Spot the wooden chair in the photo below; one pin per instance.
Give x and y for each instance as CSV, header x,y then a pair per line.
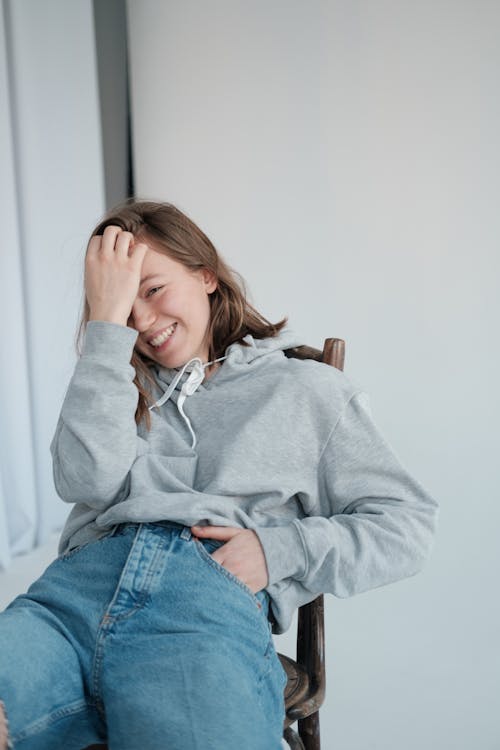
x,y
305,689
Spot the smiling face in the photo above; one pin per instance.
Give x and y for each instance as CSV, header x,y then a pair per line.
x,y
172,311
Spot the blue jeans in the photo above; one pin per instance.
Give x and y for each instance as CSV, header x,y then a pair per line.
x,y
141,639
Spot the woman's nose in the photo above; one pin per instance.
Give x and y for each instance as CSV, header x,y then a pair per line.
x,y
143,316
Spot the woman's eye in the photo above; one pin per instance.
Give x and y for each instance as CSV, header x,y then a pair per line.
x,y
154,289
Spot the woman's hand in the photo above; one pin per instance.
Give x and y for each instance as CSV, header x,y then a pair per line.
x,y
112,274
242,554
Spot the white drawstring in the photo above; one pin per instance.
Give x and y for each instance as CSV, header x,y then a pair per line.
x,y
196,376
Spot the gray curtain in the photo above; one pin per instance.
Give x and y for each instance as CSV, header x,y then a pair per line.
x,y
53,189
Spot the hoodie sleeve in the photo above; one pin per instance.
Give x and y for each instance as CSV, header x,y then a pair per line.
x,y
96,441
375,524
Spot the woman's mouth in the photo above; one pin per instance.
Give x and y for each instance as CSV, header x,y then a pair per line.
x,y
162,340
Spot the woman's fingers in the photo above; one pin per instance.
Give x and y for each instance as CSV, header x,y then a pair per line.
x,y
94,245
123,243
104,244
114,241
112,274
137,254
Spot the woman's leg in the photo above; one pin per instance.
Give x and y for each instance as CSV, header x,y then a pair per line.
x,y
41,682
47,650
186,653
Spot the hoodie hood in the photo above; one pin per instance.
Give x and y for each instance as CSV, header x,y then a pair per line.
x,y
236,360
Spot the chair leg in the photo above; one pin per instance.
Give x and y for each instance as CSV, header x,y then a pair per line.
x,y
309,732
292,739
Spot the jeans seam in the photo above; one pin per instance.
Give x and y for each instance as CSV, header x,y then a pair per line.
x,y
106,623
44,722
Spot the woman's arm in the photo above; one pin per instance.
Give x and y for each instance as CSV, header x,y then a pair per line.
x,y
96,441
371,523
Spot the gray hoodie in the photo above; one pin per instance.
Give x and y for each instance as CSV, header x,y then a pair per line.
x,y
283,446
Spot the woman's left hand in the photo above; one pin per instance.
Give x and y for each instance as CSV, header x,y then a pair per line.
x,y
242,554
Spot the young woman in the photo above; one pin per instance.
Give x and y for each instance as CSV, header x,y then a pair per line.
x,y
216,485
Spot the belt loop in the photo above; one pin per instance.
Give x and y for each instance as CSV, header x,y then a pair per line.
x,y
186,533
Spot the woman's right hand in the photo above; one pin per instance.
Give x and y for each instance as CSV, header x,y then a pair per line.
x,y
112,274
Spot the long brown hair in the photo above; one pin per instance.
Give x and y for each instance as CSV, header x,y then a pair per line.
x,y
231,315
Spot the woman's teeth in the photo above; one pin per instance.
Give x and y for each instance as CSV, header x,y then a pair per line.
x,y
159,340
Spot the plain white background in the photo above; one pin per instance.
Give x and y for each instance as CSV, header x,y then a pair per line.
x,y
344,157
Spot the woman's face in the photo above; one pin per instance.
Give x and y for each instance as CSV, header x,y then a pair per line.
x,y
172,310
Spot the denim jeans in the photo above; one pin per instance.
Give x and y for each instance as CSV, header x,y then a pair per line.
x,y
141,639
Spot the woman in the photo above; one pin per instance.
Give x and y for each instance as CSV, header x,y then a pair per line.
x,y
217,485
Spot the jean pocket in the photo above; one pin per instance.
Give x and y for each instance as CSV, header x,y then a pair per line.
x,y
71,552
205,547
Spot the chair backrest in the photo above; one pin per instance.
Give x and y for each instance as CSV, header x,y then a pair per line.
x,y
303,705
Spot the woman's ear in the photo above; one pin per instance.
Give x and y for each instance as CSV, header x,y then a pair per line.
x,y
210,280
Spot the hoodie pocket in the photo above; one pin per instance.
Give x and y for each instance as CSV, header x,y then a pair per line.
x,y
205,547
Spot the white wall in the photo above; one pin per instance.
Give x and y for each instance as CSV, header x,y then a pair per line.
x,y
344,157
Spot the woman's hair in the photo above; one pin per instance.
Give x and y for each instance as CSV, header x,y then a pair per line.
x,y
172,232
